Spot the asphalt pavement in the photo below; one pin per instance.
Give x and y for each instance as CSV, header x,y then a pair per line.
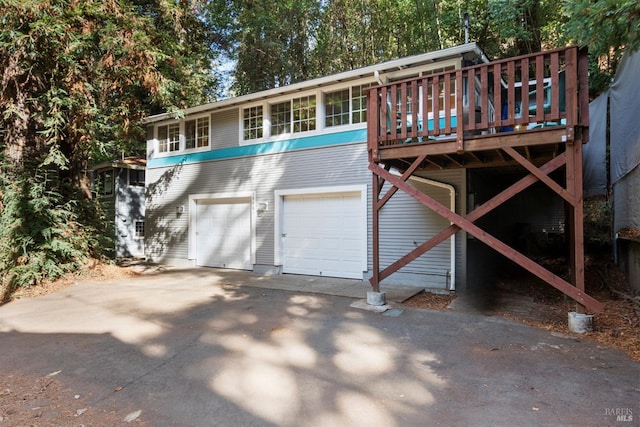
x,y
207,347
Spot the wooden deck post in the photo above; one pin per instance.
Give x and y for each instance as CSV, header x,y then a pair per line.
x,y
575,217
549,136
375,219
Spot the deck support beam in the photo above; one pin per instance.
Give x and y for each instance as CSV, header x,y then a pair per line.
x,y
466,224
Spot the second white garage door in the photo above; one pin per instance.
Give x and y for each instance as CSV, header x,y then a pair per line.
x,y
322,234
223,234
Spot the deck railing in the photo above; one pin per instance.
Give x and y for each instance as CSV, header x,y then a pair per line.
x,y
516,94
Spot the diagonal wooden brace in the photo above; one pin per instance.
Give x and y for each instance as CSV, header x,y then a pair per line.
x,y
499,246
477,213
544,177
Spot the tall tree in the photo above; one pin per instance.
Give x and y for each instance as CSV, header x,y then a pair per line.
x,y
76,76
273,43
608,28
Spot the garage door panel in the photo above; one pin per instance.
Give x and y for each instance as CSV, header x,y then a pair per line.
x,y
223,234
323,234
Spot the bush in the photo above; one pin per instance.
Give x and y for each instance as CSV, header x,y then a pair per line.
x,y
44,231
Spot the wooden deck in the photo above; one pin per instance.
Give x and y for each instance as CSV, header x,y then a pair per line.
x,y
531,111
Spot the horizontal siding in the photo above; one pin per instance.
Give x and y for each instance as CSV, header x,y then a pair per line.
x,y
457,178
224,129
405,224
170,187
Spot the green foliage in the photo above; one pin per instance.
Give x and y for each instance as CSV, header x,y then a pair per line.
x,y
598,218
608,28
44,234
77,77
278,43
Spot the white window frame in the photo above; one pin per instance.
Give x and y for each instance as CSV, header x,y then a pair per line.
x,y
265,116
183,133
135,229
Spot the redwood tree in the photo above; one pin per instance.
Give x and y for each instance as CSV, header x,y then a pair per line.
x,y
75,77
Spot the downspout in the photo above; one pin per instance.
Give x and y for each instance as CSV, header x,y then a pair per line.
x,y
452,203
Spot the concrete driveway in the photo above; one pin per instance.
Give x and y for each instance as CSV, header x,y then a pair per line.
x,y
205,347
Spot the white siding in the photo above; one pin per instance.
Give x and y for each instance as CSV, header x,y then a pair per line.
x,y
224,129
170,187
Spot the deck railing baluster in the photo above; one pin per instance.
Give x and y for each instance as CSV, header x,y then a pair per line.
x,y
515,94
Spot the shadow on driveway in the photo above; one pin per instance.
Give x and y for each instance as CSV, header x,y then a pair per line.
x,y
194,347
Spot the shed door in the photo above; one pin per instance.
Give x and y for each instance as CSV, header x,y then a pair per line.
x,y
322,235
223,234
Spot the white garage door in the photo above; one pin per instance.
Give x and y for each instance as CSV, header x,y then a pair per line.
x,y
223,234
322,235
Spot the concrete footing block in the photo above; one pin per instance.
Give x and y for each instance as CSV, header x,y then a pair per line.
x,y
376,298
580,322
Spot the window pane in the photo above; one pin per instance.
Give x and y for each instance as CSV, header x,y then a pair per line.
x,y
162,139
174,137
281,118
304,113
190,134
107,183
359,103
136,177
203,132
252,122
139,225
337,108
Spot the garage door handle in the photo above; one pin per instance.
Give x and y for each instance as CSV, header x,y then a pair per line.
x,y
284,234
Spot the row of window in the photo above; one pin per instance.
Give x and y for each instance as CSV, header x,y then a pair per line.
x,y
342,107
196,135
346,106
103,182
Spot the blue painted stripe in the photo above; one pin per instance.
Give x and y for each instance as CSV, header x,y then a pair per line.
x,y
316,141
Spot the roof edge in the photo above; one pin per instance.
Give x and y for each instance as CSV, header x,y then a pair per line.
x,y
386,66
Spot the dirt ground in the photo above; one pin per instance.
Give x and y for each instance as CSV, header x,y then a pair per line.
x,y
530,301
43,401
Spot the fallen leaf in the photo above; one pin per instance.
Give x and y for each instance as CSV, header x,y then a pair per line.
x,y
117,388
535,408
132,416
81,411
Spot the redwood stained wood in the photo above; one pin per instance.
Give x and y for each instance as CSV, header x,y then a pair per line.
x,y
414,108
491,241
484,98
388,144
459,114
375,219
511,92
497,95
403,111
436,105
571,100
576,212
566,194
524,88
373,123
479,143
447,104
555,86
583,91
474,215
470,123
405,176
539,89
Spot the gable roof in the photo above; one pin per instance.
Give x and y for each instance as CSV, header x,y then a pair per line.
x,y
469,51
